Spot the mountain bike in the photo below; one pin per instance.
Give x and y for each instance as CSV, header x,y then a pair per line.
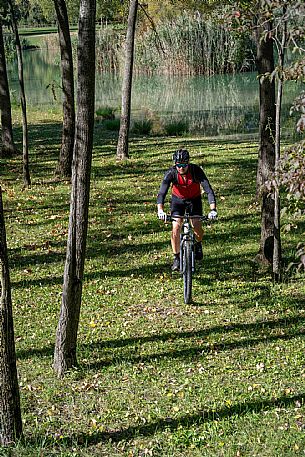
x,y
187,252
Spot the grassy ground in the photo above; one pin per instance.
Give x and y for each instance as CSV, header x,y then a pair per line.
x,y
30,31
223,376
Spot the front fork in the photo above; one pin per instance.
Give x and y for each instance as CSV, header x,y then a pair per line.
x,y
183,239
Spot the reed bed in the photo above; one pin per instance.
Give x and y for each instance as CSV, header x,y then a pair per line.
x,y
185,45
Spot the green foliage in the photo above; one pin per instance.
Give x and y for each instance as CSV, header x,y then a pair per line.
x,y
112,10
168,10
112,125
106,112
9,47
33,13
290,177
142,127
176,127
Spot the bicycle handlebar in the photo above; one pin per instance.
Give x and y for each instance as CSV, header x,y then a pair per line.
x,y
170,218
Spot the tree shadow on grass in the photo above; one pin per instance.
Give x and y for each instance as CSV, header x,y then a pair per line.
x,y
190,353
149,271
261,326
200,418
171,424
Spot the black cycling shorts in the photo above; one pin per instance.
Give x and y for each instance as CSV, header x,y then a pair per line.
x,y
179,206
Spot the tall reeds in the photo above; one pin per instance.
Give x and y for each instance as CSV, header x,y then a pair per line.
x,y
109,52
185,45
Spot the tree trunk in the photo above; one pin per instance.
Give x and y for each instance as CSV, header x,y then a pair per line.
x,y
66,337
122,147
277,253
266,155
10,413
8,146
64,166
25,136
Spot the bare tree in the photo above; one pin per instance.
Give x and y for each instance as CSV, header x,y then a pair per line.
x,y
68,130
8,146
10,413
122,147
66,336
281,45
25,136
266,156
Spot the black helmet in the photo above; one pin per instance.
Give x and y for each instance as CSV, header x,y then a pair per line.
x,y
181,156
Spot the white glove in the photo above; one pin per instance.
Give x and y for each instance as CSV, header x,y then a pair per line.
x,y
212,214
161,215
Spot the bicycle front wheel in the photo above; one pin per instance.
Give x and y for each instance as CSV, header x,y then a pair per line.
x,y
187,272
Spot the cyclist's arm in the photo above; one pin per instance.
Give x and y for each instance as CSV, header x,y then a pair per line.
x,y
205,184
164,189
210,193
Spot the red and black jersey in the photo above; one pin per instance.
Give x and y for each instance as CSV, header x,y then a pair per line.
x,y
186,187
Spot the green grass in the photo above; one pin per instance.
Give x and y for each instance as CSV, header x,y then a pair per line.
x,y
223,376
30,31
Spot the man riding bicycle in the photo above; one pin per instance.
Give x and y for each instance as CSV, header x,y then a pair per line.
x,y
185,179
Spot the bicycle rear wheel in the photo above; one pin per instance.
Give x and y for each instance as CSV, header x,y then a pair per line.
x,y
187,271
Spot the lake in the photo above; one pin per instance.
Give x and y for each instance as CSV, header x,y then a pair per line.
x,y
219,104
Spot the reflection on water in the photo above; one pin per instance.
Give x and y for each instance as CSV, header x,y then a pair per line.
x,y
210,105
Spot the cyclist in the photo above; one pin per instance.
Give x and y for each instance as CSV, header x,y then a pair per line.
x,y
185,179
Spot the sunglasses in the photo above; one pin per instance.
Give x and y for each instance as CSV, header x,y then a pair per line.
x,y
181,165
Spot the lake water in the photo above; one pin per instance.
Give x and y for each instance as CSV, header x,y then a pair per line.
x,y
213,105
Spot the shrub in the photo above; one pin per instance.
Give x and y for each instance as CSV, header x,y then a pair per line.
x,y
142,127
112,124
10,46
105,112
290,177
176,128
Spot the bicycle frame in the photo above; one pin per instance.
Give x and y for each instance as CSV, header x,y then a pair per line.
x,y
187,235
187,254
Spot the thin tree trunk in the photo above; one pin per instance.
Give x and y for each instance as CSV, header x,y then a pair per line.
x,y
10,413
266,155
277,253
122,147
276,266
8,146
64,166
66,337
25,136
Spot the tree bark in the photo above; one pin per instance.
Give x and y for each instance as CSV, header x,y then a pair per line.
x,y
10,413
8,146
266,155
25,136
277,253
64,166
66,337
122,147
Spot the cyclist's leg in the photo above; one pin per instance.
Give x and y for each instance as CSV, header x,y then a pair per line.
x,y
177,209
175,236
196,223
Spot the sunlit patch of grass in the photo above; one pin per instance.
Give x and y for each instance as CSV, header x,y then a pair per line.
x,y
223,376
